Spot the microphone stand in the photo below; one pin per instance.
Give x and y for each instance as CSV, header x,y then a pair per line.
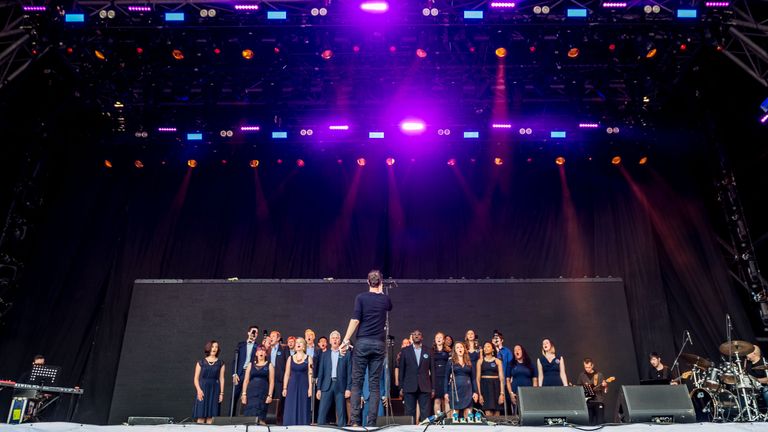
x,y
676,364
232,397
454,389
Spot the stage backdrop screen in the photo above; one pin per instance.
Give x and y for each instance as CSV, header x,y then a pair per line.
x,y
170,321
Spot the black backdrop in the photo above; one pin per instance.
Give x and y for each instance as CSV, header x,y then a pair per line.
x,y
169,321
104,229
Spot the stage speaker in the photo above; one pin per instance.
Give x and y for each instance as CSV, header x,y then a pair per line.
x,y
552,406
655,404
394,420
149,421
235,421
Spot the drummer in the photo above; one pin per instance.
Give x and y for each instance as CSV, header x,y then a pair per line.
x,y
757,366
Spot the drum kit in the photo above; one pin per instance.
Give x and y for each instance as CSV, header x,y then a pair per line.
x,y
725,392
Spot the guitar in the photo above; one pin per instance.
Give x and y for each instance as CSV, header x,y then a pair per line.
x,y
683,376
589,388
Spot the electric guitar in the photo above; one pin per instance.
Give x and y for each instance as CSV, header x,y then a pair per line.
x,y
589,388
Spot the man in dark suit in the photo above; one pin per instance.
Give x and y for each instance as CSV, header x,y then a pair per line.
x,y
415,377
277,354
334,382
246,353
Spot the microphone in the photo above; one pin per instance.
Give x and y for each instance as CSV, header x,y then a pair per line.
x,y
440,416
687,333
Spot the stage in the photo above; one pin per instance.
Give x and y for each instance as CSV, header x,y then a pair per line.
x,y
73,427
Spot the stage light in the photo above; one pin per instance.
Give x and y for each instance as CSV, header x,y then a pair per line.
x,y
139,50
306,132
616,160
339,161
473,14
443,132
451,162
390,161
174,16
557,134
250,128
139,9
420,53
560,160
137,163
717,4
541,10
338,127
33,8
764,105
177,54
194,136
501,126
501,52
226,133
279,161
614,5
425,12
576,13
502,5
223,161
683,47
327,54
74,18
588,125
300,163
412,127
361,162
687,13
573,52
277,15
314,12
191,163
104,14
216,51
279,135
374,6
99,55
276,50
246,7
612,47
651,53
375,135
498,161
70,50
392,49
166,129
643,160
107,163
247,54
532,49
210,13
254,163
764,119
356,49
471,134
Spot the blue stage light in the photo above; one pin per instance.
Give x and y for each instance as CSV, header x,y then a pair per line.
x,y
471,134
376,135
277,15
174,16
279,135
557,134
74,18
471,14
687,13
577,13
194,137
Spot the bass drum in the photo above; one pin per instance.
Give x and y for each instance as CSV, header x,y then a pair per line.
x,y
715,406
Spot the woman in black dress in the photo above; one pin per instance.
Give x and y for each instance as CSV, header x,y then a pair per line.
x,y
258,385
490,381
209,383
463,391
473,345
523,373
551,366
440,356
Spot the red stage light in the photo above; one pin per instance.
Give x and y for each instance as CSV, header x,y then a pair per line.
x,y
70,50
139,50
560,160
192,163
683,47
390,161
361,161
356,49
532,49
300,163
420,53
279,161
137,163
327,54
223,161
178,54
451,162
616,160
107,163
392,48
277,50
612,47
254,163
471,49
216,51
573,52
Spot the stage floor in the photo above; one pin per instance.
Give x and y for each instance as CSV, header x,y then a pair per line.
x,y
75,427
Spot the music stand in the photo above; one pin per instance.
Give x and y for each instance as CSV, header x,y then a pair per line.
x,y
44,375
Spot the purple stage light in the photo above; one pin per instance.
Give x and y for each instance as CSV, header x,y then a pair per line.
x,y
250,128
502,5
338,127
166,129
501,126
717,4
139,9
412,127
33,8
764,119
246,7
589,125
615,5
374,6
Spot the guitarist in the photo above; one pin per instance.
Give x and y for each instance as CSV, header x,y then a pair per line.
x,y
595,388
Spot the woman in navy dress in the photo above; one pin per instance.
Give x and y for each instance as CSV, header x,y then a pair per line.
x,y
258,385
464,393
296,391
472,345
209,383
440,356
551,366
490,381
523,374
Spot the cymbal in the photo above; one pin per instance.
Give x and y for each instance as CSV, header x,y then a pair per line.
x,y
737,347
761,367
695,360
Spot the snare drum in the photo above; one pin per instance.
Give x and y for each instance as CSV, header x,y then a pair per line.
x,y
715,405
712,379
729,373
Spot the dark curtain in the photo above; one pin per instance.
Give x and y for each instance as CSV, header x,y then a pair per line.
x,y
105,228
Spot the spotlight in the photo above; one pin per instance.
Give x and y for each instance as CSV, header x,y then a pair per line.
x,y
683,47
616,160
361,162
375,6
573,52
451,162
253,163
425,11
327,54
434,12
323,11
612,47
390,161
315,12
412,127
139,50
223,161
178,54
300,163
192,163
392,49
137,163
643,160
99,55
651,53
247,54
216,51
420,53
498,161
560,160
501,52
107,163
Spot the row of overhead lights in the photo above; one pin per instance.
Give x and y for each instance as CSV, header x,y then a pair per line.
x,y
390,161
